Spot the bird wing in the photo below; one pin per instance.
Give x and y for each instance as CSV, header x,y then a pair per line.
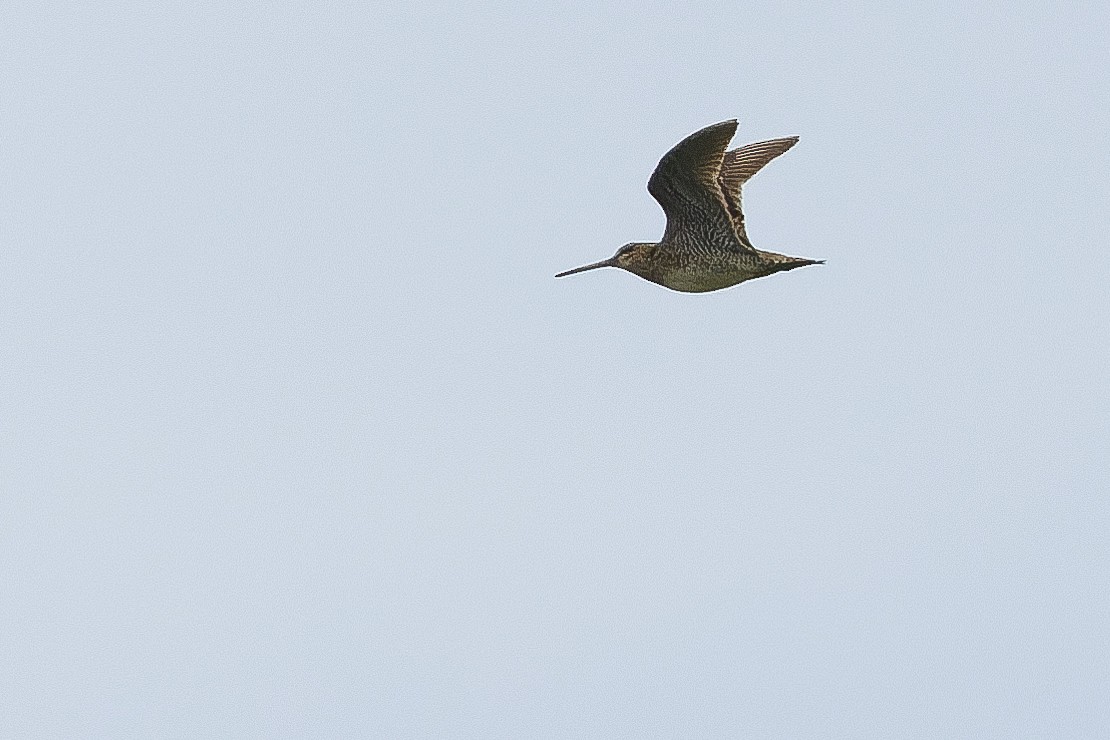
x,y
738,167
686,182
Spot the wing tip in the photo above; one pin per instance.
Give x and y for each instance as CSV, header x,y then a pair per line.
x,y
728,125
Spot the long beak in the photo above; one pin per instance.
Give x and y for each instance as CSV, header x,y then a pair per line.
x,y
604,263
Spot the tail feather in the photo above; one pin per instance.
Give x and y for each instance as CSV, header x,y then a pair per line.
x,y
783,263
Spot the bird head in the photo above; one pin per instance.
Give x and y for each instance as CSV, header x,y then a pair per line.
x,y
633,257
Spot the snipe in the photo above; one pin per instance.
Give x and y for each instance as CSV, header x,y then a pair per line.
x,y
705,246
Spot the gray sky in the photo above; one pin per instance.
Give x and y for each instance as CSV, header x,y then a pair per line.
x,y
301,437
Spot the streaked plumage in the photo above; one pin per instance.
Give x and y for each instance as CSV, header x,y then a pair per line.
x,y
705,245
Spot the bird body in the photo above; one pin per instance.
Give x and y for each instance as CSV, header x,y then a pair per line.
x,y
705,246
691,270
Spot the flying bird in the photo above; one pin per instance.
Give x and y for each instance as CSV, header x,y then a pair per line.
x,y
705,245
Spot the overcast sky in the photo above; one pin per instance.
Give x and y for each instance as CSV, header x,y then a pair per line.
x,y
302,438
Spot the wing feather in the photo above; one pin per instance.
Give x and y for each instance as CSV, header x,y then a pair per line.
x,y
738,166
687,184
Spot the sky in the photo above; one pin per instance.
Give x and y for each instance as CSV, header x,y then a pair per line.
x,y
301,437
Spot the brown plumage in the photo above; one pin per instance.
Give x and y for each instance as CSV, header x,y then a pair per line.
x,y
705,245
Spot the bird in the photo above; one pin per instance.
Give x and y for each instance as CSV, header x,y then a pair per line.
x,y
705,245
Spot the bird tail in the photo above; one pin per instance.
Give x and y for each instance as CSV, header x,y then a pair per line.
x,y
783,263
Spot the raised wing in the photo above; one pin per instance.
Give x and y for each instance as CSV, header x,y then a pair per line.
x,y
687,184
738,167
